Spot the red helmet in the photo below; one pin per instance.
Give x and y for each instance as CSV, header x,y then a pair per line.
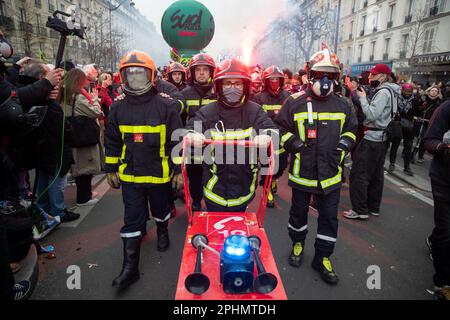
x,y
176,67
271,73
201,59
232,68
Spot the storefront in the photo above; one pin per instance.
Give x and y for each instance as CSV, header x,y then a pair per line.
x,y
357,69
430,68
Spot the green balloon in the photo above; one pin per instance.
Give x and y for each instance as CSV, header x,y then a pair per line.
x,y
188,26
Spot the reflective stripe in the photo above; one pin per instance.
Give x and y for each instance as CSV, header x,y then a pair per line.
x,y
298,230
208,101
326,238
332,181
271,107
320,116
231,202
177,160
192,103
303,181
111,160
141,179
165,218
142,129
131,234
297,165
286,137
212,182
232,134
182,106
280,151
350,135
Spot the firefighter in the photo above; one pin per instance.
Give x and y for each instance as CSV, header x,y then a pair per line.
x,y
198,93
230,187
271,100
256,86
138,145
317,128
177,75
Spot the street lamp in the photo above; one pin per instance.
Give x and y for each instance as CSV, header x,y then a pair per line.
x,y
111,9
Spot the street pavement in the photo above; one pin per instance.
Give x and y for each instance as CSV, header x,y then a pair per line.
x,y
394,242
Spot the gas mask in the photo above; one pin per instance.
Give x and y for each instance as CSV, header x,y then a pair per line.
x,y
322,87
137,80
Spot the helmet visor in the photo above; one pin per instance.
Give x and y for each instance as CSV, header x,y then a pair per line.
x,y
136,78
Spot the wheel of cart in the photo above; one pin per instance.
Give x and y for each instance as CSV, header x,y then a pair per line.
x,y
227,255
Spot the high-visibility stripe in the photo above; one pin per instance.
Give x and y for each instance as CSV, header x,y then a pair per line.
x,y
208,101
280,151
351,135
167,217
320,116
232,134
286,137
326,238
111,160
212,182
303,181
296,170
271,107
142,129
297,229
208,192
332,181
192,103
131,234
182,106
141,179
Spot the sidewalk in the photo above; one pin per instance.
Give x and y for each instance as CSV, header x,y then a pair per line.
x,y
420,180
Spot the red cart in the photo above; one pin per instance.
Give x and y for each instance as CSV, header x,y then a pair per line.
x,y
215,227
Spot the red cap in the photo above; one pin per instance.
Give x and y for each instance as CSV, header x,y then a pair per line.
x,y
380,68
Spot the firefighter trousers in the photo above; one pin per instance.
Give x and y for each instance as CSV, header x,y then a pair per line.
x,y
195,173
136,200
327,224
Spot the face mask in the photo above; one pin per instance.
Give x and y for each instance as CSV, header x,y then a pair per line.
x,y
233,95
406,96
374,83
322,87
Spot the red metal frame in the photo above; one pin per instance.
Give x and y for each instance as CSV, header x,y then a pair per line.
x,y
217,226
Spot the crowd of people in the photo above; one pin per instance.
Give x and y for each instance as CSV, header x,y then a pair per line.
x,y
95,121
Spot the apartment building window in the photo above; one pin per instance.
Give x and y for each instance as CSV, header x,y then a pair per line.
x,y
410,7
387,43
37,3
372,50
360,51
62,8
348,55
375,21
351,30
435,6
2,10
428,40
363,25
51,7
391,16
23,15
38,23
404,45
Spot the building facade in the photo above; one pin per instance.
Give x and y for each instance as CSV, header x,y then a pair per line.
x,y
411,36
24,23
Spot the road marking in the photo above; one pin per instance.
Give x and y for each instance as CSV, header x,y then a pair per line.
x,y
419,196
410,191
388,177
101,189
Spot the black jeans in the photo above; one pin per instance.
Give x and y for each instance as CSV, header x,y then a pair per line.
x,y
6,275
367,177
407,149
422,144
440,238
327,224
84,188
212,207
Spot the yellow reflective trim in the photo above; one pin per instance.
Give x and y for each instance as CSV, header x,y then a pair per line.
x,y
177,160
182,106
212,182
280,151
320,116
232,134
124,147
332,181
141,179
208,101
142,129
271,107
193,103
303,181
351,135
111,160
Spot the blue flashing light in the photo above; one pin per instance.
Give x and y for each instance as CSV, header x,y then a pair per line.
x,y
237,247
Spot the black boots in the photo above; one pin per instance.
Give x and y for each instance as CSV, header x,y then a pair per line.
x,y
325,269
130,268
162,232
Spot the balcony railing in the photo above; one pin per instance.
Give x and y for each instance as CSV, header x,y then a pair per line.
x,y
361,33
408,19
26,27
6,23
385,56
389,24
434,11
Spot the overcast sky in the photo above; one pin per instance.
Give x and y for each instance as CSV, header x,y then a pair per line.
x,y
238,22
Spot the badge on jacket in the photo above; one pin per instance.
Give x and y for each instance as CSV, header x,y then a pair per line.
x,y
138,137
312,134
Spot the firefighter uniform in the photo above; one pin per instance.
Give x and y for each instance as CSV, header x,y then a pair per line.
x,y
197,96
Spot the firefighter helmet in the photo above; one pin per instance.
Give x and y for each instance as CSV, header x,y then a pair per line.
x,y
232,69
201,59
273,72
176,67
324,61
137,72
